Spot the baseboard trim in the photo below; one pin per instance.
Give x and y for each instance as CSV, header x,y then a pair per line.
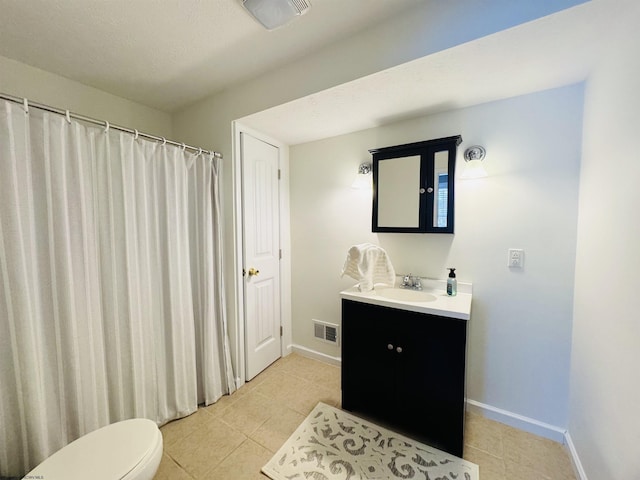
x,y
322,357
515,420
577,464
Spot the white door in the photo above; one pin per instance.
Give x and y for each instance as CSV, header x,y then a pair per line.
x,y
261,219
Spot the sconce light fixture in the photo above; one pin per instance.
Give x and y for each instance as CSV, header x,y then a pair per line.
x,y
363,178
473,156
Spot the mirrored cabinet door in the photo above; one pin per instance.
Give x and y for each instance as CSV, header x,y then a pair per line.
x,y
440,189
398,184
413,186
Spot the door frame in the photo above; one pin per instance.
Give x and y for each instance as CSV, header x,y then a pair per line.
x,y
238,347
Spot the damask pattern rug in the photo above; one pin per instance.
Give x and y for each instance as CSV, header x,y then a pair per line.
x,y
334,445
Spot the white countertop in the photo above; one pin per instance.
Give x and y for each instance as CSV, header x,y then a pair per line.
x,y
437,303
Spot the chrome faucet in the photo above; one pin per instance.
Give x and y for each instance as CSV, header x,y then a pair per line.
x,y
409,281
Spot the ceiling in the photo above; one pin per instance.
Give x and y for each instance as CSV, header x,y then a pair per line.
x,y
553,51
169,53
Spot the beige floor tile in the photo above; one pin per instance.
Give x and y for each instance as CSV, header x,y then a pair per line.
x,y
313,371
206,447
539,454
280,386
216,409
170,470
274,432
297,393
176,430
249,412
273,369
483,434
524,472
243,464
491,468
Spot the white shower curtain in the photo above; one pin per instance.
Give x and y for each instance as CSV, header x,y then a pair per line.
x,y
111,297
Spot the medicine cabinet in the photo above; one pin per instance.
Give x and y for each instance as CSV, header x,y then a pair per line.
x,y
413,186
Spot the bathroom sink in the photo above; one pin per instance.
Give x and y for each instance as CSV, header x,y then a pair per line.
x,y
405,295
432,300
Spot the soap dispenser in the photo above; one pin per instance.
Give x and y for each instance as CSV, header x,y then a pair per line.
x,y
452,283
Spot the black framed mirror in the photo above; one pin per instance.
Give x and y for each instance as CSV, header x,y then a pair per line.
x,y
413,186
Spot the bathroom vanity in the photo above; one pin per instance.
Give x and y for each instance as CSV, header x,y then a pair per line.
x,y
403,361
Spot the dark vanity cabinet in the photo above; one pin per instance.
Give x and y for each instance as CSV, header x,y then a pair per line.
x,y
405,371
413,186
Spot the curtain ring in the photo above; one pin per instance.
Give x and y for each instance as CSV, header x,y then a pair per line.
x,y
199,151
67,115
164,141
106,126
135,137
184,147
25,103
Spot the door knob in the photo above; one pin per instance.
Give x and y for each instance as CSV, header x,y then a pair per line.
x,y
399,349
253,272
389,347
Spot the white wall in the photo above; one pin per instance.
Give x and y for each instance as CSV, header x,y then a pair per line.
x,y
432,26
604,422
23,80
520,331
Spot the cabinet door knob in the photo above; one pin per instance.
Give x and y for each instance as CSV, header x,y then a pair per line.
x,y
389,347
399,349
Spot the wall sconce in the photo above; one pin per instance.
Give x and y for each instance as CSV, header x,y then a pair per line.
x,y
473,156
363,178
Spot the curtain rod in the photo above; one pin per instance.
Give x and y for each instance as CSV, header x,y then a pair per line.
x,y
65,113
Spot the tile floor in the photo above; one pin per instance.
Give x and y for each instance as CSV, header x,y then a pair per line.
x,y
233,438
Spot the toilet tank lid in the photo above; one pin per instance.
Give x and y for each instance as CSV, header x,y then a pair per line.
x,y
108,453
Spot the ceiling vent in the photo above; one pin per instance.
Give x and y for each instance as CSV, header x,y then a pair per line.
x,y
276,13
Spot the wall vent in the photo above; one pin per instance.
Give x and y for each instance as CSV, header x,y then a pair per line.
x,y
326,332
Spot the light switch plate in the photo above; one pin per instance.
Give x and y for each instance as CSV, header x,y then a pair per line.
x,y
516,258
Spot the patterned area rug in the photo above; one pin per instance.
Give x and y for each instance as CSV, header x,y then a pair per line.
x,y
334,445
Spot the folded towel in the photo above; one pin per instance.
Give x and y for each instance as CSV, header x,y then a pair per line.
x,y
369,264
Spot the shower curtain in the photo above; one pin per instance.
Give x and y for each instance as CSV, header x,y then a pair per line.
x,y
111,294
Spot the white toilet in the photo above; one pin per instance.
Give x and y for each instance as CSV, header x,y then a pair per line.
x,y
128,450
